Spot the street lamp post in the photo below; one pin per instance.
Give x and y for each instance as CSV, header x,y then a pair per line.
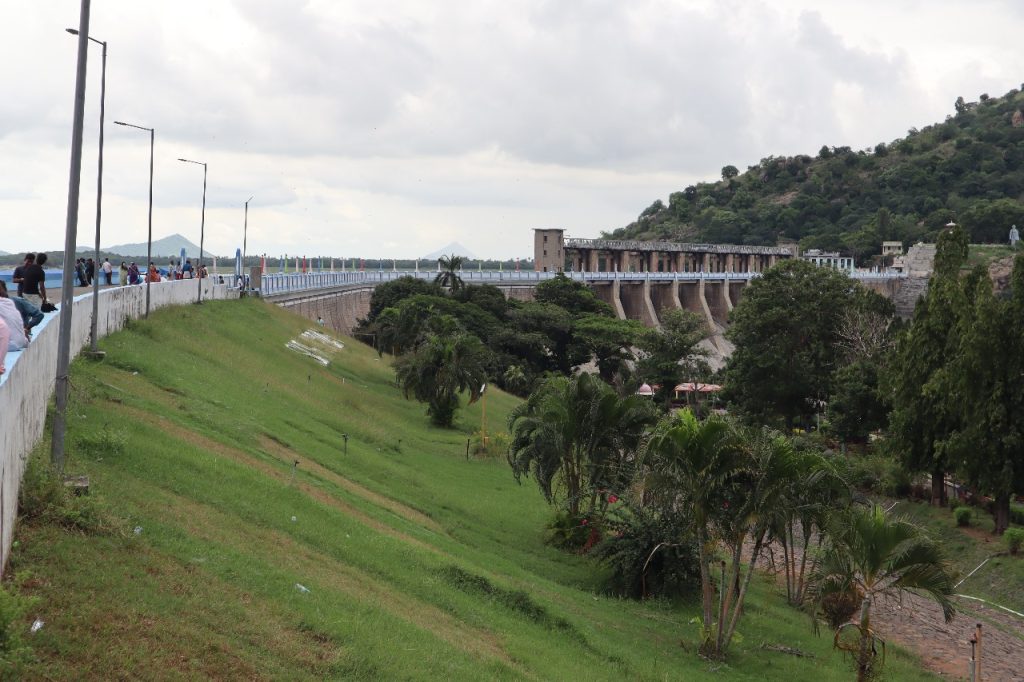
x,y
202,229
245,238
93,335
70,238
149,237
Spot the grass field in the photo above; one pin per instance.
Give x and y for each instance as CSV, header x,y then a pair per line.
x,y
398,560
1001,580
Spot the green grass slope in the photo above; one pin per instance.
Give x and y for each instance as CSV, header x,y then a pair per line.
x,y
413,562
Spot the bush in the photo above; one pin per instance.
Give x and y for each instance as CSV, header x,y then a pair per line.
x,y
566,531
876,474
1014,539
1017,514
962,516
649,557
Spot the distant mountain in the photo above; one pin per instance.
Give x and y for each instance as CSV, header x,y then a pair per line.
x,y
453,248
167,246
4,253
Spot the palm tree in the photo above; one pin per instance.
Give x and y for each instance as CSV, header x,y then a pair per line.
x,y
449,277
870,555
689,466
575,435
441,367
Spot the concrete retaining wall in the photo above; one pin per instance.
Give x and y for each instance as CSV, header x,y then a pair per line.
x,y
26,387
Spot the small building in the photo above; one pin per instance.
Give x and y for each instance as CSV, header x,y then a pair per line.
x,y
548,250
829,259
892,248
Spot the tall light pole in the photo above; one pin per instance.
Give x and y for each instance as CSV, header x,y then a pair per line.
x,y
149,238
94,337
245,236
202,230
70,237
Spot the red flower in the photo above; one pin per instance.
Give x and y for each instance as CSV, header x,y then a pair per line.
x,y
583,522
612,499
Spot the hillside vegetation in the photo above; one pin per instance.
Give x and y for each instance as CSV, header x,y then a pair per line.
x,y
969,168
230,535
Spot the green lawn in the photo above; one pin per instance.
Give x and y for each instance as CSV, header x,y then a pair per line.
x,y
215,410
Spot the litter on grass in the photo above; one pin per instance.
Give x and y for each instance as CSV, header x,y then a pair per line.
x,y
302,588
37,625
138,530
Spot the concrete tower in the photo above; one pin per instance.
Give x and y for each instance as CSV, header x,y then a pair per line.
x,y
548,250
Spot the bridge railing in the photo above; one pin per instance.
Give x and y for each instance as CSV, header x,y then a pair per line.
x,y
277,284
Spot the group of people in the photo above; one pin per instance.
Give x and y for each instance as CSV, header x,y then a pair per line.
x,y
20,313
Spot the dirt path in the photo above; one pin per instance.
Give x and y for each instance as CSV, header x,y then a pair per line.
x,y
916,623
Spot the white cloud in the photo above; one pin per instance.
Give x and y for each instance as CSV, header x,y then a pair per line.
x,y
391,128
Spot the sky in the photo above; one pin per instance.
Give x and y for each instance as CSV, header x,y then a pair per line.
x,y
380,129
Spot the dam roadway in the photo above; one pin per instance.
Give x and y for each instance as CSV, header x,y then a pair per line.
x,y
343,298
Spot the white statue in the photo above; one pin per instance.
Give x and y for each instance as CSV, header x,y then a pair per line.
x,y
1014,236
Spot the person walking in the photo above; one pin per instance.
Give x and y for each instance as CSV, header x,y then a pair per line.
x,y
34,282
80,272
108,271
134,276
123,274
90,271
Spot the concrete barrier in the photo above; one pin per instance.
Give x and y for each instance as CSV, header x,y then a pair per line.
x,y
26,387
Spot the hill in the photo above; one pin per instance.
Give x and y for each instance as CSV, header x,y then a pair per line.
x,y
231,533
969,168
167,246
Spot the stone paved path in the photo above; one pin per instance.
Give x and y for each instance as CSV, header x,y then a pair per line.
x,y
916,623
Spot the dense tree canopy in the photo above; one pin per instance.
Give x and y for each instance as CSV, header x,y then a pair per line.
x,y
786,329
970,166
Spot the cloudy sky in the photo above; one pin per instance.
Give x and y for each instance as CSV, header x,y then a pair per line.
x,y
380,128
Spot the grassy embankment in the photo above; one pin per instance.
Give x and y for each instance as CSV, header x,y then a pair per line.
x,y
418,563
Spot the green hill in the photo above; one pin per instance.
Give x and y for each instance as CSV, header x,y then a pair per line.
x,y
969,168
205,554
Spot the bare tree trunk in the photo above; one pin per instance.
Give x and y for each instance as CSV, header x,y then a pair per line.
x,y
1002,513
707,591
938,487
865,656
785,562
799,596
734,620
730,593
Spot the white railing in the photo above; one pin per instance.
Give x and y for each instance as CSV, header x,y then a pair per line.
x,y
279,284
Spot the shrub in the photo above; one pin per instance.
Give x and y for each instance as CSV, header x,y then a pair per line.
x,y
106,442
876,474
1017,514
649,557
962,516
567,531
1014,539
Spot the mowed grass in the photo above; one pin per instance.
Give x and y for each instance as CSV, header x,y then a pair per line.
x,y
365,565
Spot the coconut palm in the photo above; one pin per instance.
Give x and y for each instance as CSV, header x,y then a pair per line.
x,y
575,436
449,275
441,367
872,556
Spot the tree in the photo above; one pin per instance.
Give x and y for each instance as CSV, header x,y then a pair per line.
x,y
869,555
555,325
449,275
687,467
785,329
390,294
440,368
926,410
576,437
729,172
671,354
608,340
574,297
858,405
989,444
